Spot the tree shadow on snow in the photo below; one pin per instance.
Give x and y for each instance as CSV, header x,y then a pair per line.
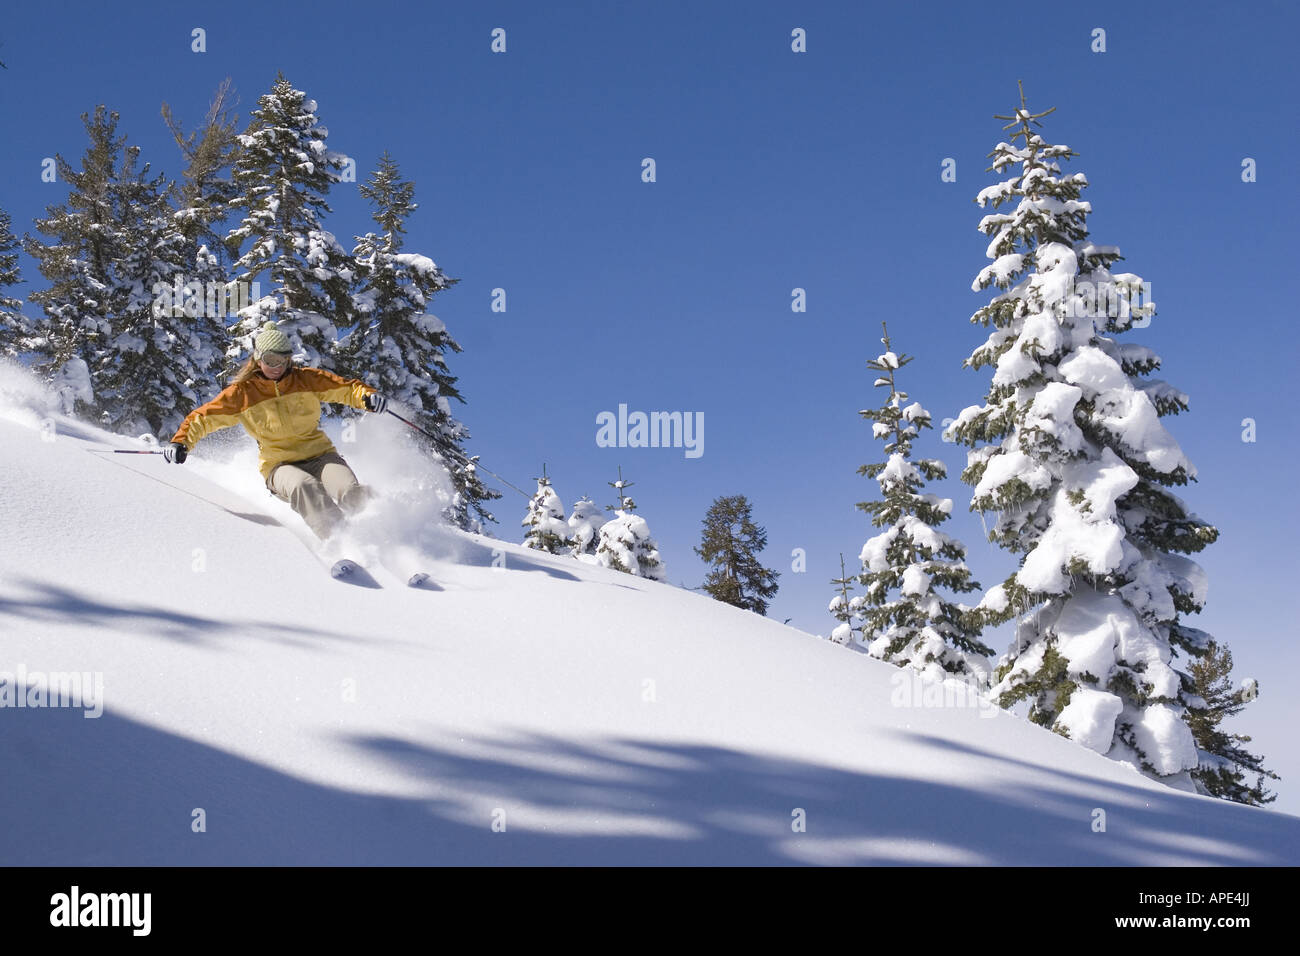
x,y
554,801
1187,815
51,604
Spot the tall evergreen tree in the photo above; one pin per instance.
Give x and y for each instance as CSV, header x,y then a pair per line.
x,y
625,541
165,353
282,174
15,329
207,192
729,543
399,348
547,529
1074,461
203,199
919,628
1222,760
80,265
113,340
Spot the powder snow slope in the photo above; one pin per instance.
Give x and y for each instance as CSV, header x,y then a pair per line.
x,y
533,710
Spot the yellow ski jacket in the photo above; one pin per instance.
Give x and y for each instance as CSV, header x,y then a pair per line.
x,y
283,416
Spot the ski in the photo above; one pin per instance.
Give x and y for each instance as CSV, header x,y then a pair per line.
x,y
423,582
343,568
350,572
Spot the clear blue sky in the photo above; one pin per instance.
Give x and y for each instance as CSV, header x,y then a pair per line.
x,y
775,170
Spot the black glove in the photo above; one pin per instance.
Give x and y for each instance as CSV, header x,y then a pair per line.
x,y
375,402
175,453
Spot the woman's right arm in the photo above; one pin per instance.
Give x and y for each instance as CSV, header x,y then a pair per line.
x,y
222,412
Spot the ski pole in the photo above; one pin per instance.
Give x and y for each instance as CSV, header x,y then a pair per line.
x,y
124,451
443,447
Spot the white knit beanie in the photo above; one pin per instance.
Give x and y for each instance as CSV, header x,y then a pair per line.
x,y
270,339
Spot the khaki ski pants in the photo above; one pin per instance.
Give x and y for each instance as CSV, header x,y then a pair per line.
x,y
322,489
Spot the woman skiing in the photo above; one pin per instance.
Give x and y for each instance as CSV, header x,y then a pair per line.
x,y
279,405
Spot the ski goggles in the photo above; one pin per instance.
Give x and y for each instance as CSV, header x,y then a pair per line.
x,y
274,359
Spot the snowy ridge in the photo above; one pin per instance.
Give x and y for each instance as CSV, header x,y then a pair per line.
x,y
535,709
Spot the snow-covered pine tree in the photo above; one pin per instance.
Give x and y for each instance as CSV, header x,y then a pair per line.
x,y
847,610
15,329
918,629
1222,760
1075,467
206,192
80,264
282,173
730,543
547,529
399,348
584,527
203,199
625,541
165,351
